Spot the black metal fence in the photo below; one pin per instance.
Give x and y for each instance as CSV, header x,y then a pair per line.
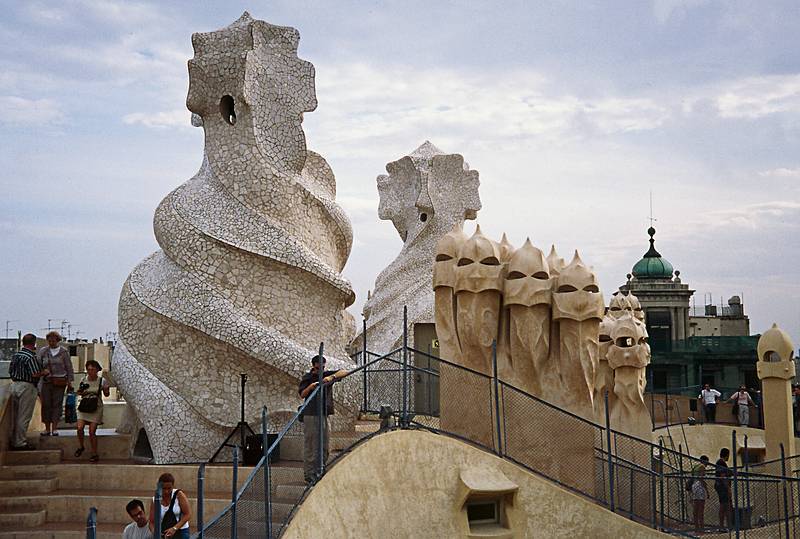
x,y
654,484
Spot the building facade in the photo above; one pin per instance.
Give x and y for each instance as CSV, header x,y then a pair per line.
x,y
689,351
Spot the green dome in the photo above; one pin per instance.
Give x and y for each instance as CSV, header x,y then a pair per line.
x,y
652,265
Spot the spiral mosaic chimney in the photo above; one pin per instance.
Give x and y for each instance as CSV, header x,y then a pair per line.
x,y
248,278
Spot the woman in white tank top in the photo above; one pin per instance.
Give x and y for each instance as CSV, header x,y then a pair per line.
x,y
177,502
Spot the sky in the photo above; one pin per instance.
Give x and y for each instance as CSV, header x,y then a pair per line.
x,y
573,112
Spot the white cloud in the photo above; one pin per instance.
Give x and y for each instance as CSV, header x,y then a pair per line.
x,y
664,10
159,120
754,97
45,14
360,205
20,111
360,102
780,173
126,13
754,216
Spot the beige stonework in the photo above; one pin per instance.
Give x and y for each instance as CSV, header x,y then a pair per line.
x,y
248,278
425,195
553,339
776,371
414,484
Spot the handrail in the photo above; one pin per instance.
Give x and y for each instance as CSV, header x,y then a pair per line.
x,y
667,425
621,461
262,460
533,397
282,433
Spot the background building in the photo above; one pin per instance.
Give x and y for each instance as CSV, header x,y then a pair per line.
x,y
690,350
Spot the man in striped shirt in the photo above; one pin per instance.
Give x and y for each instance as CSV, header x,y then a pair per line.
x,y
25,371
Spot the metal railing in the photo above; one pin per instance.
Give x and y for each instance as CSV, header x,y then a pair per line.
x,y
654,484
91,523
672,402
262,507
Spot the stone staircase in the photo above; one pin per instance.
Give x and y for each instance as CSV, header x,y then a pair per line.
x,y
47,493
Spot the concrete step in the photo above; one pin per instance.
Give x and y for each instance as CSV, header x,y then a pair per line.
x,y
60,530
255,508
22,519
11,487
362,426
77,530
25,472
292,446
292,492
50,456
65,505
130,476
110,445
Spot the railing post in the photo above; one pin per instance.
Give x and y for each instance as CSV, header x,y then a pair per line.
x,y
682,482
608,452
736,517
157,516
785,494
661,479
91,524
201,481
365,360
234,491
321,417
496,397
404,422
747,473
652,401
653,493
267,479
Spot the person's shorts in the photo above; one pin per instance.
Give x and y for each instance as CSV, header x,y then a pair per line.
x,y
724,496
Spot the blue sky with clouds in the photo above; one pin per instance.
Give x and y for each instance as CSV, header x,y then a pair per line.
x,y
571,111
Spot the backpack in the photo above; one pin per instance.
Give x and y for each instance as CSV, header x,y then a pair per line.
x,y
168,520
689,484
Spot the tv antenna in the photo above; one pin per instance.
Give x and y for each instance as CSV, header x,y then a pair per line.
x,y
652,219
8,324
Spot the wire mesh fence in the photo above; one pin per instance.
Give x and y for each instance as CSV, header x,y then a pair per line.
x,y
654,484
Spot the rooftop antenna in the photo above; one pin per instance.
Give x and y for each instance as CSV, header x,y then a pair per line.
x,y
652,219
8,323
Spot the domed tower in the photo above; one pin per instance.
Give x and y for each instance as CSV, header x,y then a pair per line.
x,y
664,298
652,265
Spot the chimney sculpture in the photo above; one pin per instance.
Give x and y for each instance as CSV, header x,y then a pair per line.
x,y
776,369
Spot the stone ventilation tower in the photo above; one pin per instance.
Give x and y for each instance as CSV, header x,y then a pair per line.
x,y
425,195
248,275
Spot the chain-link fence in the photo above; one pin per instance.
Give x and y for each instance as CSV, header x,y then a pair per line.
x,y
654,484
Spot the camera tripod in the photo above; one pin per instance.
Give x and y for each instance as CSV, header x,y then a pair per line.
x,y
241,429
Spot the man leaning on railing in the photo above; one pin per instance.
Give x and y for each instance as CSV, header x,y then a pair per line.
x,y
307,385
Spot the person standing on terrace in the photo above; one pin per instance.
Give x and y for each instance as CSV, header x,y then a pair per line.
x,y
52,387
709,398
25,371
699,493
742,401
307,385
